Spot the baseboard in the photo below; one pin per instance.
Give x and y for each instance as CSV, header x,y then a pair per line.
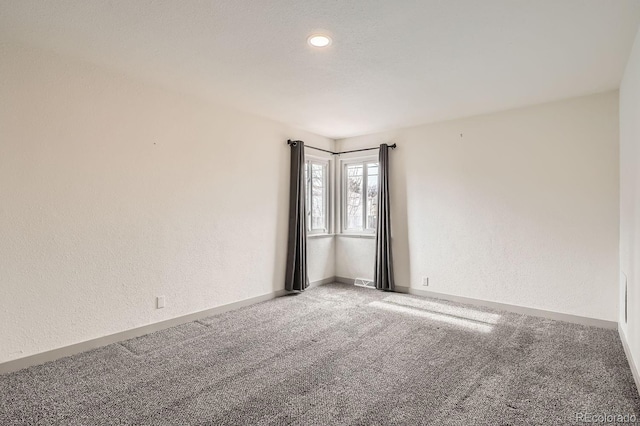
x,y
20,363
576,319
52,355
634,368
323,282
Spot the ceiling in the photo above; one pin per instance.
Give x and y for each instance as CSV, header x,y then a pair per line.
x,y
391,64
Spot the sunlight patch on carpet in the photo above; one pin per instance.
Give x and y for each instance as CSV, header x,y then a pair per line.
x,y
443,308
460,322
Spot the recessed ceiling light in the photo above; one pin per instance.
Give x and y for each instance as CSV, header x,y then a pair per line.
x,y
319,40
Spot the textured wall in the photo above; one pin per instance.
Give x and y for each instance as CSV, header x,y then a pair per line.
x,y
113,192
321,258
354,257
630,200
520,209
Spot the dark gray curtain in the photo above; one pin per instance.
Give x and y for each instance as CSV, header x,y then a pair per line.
x,y
383,275
296,276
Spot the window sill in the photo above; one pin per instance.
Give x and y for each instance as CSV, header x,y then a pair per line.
x,y
320,235
366,236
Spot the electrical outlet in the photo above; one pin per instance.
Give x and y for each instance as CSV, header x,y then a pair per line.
x,y
425,281
159,302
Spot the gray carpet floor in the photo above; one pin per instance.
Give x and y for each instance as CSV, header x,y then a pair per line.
x,y
336,354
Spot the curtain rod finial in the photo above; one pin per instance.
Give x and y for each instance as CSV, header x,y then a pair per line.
x,y
392,146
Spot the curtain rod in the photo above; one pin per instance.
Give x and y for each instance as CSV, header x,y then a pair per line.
x,y
290,142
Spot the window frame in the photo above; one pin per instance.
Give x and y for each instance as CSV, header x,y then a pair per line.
x,y
325,163
344,164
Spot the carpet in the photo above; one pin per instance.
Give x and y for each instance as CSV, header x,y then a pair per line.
x,y
336,354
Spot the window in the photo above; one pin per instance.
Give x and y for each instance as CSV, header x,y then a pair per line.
x,y
317,205
360,196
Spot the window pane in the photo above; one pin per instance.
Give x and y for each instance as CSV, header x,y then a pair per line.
x,y
307,194
318,196
372,195
354,188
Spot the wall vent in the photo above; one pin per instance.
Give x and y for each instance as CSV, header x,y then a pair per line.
x,y
364,282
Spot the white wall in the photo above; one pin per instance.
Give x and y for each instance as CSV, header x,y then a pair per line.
x,y
521,209
113,192
354,257
630,201
321,258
